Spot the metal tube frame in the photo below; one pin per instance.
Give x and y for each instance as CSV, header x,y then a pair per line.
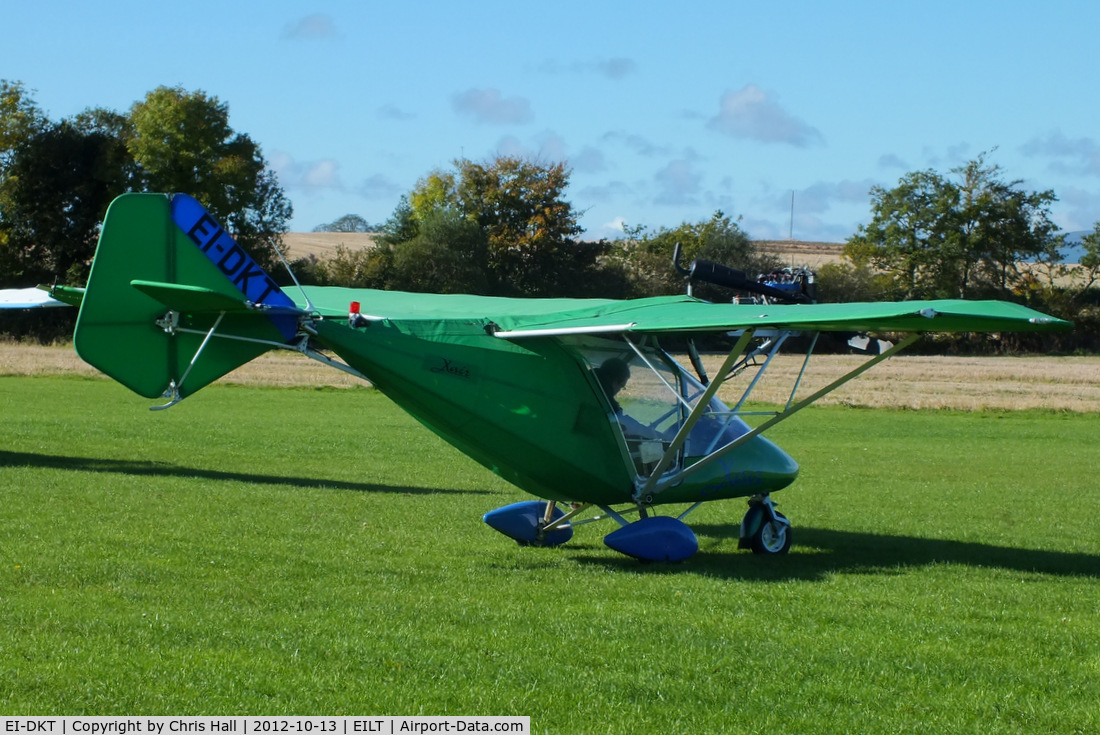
x,y
658,483
650,486
170,324
657,480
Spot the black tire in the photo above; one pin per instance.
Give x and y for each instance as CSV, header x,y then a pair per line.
x,y
772,537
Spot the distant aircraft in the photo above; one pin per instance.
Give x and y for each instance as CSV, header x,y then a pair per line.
x,y
572,400
27,298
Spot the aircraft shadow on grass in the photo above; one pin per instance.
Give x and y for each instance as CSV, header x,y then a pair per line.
x,y
819,552
164,469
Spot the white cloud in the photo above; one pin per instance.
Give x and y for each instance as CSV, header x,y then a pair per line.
x,y
678,183
589,160
551,147
890,160
612,230
1079,156
955,155
634,142
1077,209
323,174
393,112
613,191
821,196
616,68
311,28
379,186
751,113
616,225
490,107
512,146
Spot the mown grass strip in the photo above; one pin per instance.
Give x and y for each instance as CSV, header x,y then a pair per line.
x,y
289,551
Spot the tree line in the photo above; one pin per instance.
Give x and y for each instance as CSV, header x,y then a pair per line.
x,y
504,226
972,234
57,177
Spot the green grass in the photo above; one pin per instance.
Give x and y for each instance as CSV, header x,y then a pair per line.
x,y
295,551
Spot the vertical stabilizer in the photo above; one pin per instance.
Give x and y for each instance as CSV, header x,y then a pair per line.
x,y
172,302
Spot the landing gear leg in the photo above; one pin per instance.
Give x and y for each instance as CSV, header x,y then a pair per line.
x,y
532,523
764,529
548,517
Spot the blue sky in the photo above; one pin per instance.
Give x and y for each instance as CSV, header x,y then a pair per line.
x,y
665,112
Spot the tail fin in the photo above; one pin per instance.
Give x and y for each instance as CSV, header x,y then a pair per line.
x,y
172,302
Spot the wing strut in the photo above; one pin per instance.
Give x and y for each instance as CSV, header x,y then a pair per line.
x,y
650,486
802,372
781,416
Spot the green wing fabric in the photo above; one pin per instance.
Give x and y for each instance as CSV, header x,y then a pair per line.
x,y
520,318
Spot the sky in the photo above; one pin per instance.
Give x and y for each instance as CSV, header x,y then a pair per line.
x,y
783,114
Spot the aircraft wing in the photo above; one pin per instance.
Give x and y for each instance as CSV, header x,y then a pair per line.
x,y
521,318
687,315
27,298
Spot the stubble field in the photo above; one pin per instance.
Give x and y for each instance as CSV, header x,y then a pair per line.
x,y
907,382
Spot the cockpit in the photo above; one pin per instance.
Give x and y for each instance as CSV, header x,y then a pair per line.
x,y
651,397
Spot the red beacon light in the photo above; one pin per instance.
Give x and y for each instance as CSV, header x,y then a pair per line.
x,y
355,319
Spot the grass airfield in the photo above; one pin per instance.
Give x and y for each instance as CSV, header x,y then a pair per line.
x,y
262,550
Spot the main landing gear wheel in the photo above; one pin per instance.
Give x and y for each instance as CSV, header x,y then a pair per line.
x,y
764,529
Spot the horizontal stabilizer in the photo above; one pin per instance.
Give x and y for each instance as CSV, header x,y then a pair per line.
x,y
71,295
191,299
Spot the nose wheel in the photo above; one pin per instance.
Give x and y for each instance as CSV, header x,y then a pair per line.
x,y
764,529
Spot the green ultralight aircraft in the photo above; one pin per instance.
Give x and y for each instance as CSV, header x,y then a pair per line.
x,y
572,400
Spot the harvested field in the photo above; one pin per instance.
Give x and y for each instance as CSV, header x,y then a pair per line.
x,y
323,244
965,383
799,253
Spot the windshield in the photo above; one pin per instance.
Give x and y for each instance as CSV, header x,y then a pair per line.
x,y
651,397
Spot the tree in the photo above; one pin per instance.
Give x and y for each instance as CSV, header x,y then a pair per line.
x,y
519,205
1060,287
845,282
908,232
647,258
57,179
529,224
183,143
402,224
347,223
447,255
361,268
1090,261
939,238
20,119
56,188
